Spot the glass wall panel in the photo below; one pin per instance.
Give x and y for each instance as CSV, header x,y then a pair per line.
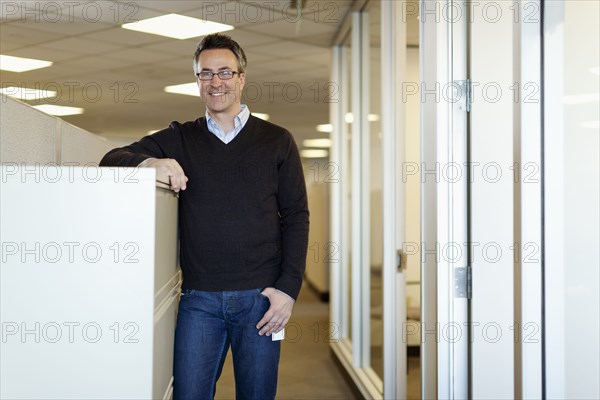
x,y
375,185
412,204
346,91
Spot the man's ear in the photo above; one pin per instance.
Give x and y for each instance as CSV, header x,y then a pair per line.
x,y
242,80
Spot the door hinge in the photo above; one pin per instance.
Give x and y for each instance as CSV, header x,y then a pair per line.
x,y
465,95
462,282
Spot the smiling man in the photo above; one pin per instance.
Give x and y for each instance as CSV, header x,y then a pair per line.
x,y
243,227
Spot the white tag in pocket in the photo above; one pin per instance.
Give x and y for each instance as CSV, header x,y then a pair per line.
x,y
278,336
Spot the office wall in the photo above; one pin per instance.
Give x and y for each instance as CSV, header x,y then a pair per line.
x,y
30,136
320,251
581,287
571,195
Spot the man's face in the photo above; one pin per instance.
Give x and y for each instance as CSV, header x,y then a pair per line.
x,y
220,96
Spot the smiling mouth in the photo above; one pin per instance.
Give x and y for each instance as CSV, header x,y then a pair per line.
x,y
216,94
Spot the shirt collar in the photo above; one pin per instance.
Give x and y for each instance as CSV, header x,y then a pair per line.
x,y
238,120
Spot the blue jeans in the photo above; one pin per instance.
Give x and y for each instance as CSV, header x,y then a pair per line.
x,y
207,324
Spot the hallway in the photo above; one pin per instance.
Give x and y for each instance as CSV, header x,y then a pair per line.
x,y
307,369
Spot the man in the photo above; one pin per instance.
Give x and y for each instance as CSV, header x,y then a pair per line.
x,y
243,228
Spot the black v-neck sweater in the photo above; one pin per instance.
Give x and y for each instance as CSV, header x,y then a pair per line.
x,y
243,219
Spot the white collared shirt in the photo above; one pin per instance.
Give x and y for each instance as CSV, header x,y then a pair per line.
x,y
238,122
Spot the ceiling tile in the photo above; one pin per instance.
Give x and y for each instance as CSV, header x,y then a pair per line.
x,y
173,6
105,12
122,36
173,48
318,11
283,29
65,27
286,48
323,40
248,39
74,17
240,13
95,63
81,45
42,53
139,55
17,35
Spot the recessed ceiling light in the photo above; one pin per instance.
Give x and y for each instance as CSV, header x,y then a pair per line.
x,y
27,93
314,153
189,89
321,142
261,116
177,26
59,111
325,128
20,64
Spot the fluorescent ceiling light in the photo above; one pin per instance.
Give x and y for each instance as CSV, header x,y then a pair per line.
x,y
581,98
322,142
189,89
325,128
59,111
177,26
19,64
261,116
27,93
314,153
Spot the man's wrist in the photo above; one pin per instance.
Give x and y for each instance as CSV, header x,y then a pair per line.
x,y
284,293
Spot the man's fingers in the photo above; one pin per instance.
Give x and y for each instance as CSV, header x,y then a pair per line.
x,y
278,314
265,319
169,170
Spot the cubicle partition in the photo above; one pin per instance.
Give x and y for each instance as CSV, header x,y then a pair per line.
x,y
89,283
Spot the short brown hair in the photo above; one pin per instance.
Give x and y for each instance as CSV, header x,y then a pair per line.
x,y
220,41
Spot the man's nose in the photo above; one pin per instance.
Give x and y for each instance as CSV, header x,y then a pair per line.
x,y
212,79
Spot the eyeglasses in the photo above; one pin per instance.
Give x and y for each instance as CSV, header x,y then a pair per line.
x,y
208,75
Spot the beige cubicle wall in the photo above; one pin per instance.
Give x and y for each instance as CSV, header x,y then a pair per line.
x,y
30,136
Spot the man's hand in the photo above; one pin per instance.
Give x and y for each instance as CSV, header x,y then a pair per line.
x,y
168,171
278,314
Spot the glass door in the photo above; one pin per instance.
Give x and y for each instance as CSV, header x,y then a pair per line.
x,y
368,215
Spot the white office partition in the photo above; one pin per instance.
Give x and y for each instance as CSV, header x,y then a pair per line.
x,y
89,283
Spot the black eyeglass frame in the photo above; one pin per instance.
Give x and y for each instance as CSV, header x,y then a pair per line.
x,y
212,75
